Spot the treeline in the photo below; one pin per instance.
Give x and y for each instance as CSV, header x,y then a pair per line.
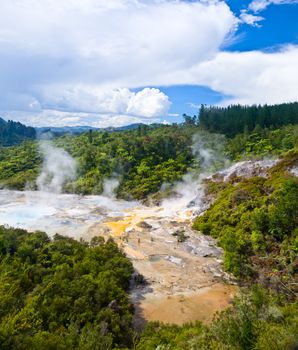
x,y
237,119
142,160
12,133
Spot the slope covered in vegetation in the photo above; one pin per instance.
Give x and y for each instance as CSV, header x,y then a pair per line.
x,y
262,142
19,165
62,294
255,220
141,159
12,133
236,119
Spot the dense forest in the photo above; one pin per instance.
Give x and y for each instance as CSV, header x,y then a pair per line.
x,y
12,133
142,160
237,119
62,294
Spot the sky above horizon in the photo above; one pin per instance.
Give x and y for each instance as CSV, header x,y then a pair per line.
x,y
112,63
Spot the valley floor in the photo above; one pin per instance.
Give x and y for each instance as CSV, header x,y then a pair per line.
x,y
184,281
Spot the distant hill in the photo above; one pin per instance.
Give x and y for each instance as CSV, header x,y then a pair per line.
x,y
13,133
76,130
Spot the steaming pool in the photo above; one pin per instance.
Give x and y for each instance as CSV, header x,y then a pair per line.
x,y
67,214
172,270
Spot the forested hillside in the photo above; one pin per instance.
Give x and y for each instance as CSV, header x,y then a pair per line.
x,y
141,159
237,119
62,294
256,222
12,133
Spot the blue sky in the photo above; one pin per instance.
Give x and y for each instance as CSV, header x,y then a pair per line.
x,y
279,27
116,62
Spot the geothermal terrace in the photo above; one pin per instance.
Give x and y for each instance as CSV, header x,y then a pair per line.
x,y
178,272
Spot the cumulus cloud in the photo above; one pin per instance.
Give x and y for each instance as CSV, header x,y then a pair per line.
x,y
57,118
250,19
260,5
93,106
80,62
146,103
252,77
52,45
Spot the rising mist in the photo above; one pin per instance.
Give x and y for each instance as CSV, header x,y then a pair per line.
x,y
57,169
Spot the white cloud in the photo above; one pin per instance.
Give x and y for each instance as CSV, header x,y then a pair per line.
x,y
150,103
260,5
147,103
95,107
52,45
78,61
250,19
58,118
252,77
110,41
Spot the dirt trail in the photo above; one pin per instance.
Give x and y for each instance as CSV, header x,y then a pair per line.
x,y
185,281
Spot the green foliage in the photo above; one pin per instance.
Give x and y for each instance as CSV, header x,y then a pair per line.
x,y
61,293
19,166
236,119
263,142
255,220
12,133
143,159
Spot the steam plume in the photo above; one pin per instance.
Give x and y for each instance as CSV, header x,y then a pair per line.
x,y
58,168
209,157
110,187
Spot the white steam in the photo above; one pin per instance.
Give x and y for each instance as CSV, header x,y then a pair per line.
x,y
110,187
209,152
189,193
58,168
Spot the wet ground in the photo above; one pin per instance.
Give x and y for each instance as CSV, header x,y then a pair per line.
x,y
184,279
182,270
